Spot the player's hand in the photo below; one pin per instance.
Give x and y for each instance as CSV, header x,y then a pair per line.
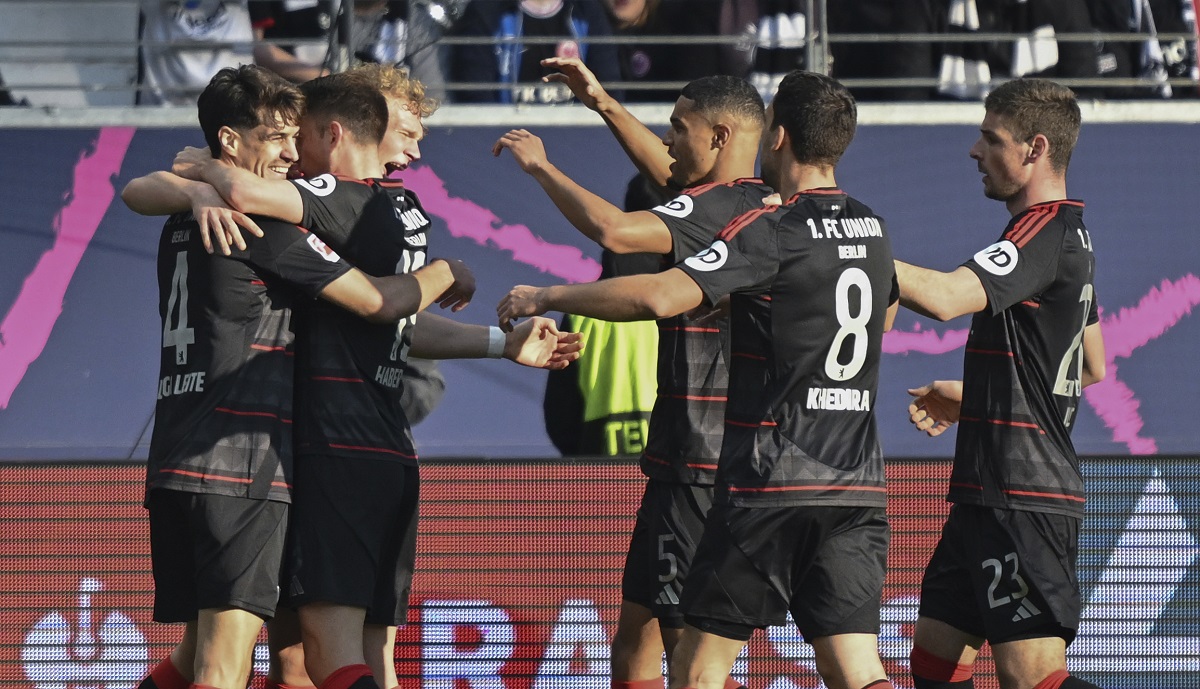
x,y
936,407
539,344
521,301
527,149
220,223
459,294
578,78
708,315
189,163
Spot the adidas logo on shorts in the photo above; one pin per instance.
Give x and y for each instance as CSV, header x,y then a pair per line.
x,y
1026,610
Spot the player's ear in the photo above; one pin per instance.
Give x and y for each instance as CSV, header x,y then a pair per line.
x,y
336,133
230,141
777,138
1039,147
721,135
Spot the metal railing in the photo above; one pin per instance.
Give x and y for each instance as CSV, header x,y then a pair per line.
x,y
24,61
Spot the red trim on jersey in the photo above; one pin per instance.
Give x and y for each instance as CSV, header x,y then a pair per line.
x,y
745,355
690,465
997,352
688,329
387,183
765,297
1031,304
214,477
236,412
337,446
699,398
739,223
970,486
1036,494
365,183
335,379
1028,227
701,188
826,192
268,348
779,489
1002,422
259,283
743,424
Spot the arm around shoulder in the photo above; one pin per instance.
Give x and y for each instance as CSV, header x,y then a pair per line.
x,y
938,295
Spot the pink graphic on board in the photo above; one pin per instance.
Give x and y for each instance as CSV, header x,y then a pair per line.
x,y
1113,401
465,218
27,326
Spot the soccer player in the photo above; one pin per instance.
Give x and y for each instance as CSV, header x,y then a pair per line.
x,y
798,520
353,542
219,470
1004,570
708,152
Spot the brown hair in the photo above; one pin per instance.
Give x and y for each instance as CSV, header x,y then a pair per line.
x,y
819,115
243,98
351,100
1039,106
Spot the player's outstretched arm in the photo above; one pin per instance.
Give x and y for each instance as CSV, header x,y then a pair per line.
x,y
242,189
163,193
536,342
598,220
939,295
936,406
388,299
632,298
644,147
1094,361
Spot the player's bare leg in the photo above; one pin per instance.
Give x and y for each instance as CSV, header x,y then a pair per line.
x,y
1034,664
225,647
637,647
287,653
379,648
333,643
702,660
850,661
943,656
175,671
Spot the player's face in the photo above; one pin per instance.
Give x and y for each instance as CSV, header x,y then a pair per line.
x,y
689,141
268,150
315,145
401,144
1001,158
770,161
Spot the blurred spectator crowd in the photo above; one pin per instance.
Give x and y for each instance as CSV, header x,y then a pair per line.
x,y
489,51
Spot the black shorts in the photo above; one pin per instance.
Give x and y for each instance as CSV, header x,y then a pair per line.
x,y
670,522
823,564
1005,575
214,551
354,535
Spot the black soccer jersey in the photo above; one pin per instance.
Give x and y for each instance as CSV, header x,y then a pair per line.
x,y
810,286
1023,365
349,371
688,418
223,421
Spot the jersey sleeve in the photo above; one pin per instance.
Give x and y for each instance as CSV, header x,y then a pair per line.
x,y
1018,267
743,258
295,256
694,218
332,206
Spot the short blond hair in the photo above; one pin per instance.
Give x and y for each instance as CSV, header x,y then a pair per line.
x,y
396,82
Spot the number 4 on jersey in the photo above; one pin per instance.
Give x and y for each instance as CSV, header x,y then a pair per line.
x,y
181,335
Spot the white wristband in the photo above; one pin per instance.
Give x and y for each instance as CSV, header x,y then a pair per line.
x,y
496,340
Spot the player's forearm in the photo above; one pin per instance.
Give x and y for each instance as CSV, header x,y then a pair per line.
x,y
632,298
247,192
437,337
644,147
399,296
1094,360
596,218
939,295
159,193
